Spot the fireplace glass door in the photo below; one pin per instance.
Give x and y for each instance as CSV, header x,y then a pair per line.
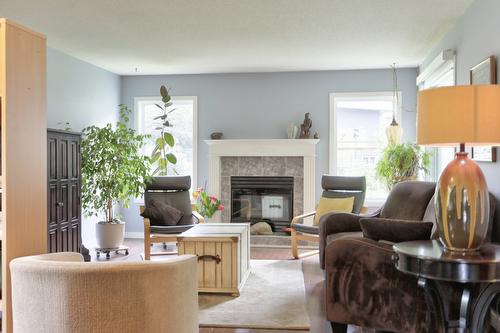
x,y
262,199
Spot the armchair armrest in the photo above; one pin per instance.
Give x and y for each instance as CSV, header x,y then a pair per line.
x,y
198,216
299,218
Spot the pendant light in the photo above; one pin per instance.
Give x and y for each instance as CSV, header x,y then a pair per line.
x,y
394,132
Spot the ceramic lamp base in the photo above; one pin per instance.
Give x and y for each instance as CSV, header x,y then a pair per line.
x,y
462,205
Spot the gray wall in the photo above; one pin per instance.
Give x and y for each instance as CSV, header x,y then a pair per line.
x,y
475,37
81,94
261,105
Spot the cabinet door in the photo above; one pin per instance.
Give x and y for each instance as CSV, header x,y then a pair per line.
x,y
64,179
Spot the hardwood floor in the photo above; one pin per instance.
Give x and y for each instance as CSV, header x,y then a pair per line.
x,y
313,278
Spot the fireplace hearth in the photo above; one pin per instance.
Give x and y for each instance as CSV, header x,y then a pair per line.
x,y
262,199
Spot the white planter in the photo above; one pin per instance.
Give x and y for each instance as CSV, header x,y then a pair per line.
x,y
109,235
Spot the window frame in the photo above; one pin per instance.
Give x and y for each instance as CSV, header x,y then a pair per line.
x,y
155,99
332,149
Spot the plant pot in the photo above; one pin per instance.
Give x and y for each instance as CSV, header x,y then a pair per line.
x,y
109,235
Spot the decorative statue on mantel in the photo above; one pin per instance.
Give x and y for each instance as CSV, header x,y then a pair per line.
x,y
305,127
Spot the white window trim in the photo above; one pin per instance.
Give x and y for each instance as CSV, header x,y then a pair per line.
x,y
443,63
334,97
194,99
430,77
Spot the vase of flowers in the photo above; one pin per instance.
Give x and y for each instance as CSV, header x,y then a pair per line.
x,y
206,205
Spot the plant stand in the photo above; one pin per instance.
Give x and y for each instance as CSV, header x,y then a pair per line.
x,y
108,251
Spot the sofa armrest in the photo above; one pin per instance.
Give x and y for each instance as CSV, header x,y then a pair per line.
x,y
364,288
333,223
395,230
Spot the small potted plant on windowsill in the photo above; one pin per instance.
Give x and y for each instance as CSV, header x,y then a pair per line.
x,y
113,170
400,162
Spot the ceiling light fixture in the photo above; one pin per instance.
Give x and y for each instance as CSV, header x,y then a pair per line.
x,y
394,131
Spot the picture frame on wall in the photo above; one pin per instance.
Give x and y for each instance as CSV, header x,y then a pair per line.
x,y
484,73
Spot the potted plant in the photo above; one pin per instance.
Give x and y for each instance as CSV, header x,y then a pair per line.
x,y
401,162
162,153
113,170
206,204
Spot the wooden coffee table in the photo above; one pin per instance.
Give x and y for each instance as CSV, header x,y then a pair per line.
x,y
223,251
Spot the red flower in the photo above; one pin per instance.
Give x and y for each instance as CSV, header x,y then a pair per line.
x,y
221,208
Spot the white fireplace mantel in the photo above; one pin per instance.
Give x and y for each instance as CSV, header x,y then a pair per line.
x,y
263,147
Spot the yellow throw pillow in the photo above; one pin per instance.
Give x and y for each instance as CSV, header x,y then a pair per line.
x,y
328,205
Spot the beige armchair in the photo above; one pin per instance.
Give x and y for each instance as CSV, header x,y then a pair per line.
x,y
59,293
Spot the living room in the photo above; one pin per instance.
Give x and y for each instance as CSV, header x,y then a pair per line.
x,y
245,166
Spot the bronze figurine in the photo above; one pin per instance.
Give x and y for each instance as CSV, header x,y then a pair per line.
x,y
305,127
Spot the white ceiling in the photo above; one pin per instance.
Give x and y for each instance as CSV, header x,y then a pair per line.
x,y
214,36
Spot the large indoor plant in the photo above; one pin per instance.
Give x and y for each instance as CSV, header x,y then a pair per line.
x,y
162,153
113,170
401,162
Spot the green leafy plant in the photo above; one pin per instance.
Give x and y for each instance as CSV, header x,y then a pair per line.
x,y
113,169
162,155
206,204
402,162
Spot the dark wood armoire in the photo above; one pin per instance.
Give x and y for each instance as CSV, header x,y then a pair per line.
x,y
64,191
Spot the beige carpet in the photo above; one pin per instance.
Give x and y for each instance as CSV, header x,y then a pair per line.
x,y
272,298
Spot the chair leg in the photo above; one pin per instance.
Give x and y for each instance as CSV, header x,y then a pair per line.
x,y
147,248
338,327
295,251
164,245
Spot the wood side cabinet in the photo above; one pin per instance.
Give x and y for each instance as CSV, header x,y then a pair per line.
x,y
63,191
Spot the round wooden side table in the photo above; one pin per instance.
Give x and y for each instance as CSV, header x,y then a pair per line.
x,y
477,274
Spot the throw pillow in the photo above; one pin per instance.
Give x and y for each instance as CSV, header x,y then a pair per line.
x,y
395,231
328,205
161,213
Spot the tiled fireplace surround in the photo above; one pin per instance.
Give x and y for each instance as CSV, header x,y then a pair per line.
x,y
289,166
259,157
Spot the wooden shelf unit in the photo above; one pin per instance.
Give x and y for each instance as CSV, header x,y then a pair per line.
x,y
23,150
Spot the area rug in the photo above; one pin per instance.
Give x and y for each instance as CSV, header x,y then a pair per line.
x,y
273,297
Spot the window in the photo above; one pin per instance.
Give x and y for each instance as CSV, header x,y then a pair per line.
x,y
439,73
357,126
184,129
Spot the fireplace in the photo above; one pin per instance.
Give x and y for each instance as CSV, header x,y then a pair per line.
x,y
262,199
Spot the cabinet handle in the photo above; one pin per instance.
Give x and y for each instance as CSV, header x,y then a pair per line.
x,y
60,204
210,257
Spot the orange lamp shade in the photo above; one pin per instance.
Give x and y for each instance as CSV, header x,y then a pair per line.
x,y
470,114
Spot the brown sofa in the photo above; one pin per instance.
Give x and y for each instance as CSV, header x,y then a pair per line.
x,y
363,287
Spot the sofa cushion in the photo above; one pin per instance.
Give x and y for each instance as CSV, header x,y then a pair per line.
x,y
328,205
161,213
395,230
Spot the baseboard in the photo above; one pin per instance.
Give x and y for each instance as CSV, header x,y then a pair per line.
x,y
134,234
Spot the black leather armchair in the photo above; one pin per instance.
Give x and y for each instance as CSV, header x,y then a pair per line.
x,y
174,191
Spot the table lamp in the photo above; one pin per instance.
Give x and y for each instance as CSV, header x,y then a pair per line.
x,y
464,115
